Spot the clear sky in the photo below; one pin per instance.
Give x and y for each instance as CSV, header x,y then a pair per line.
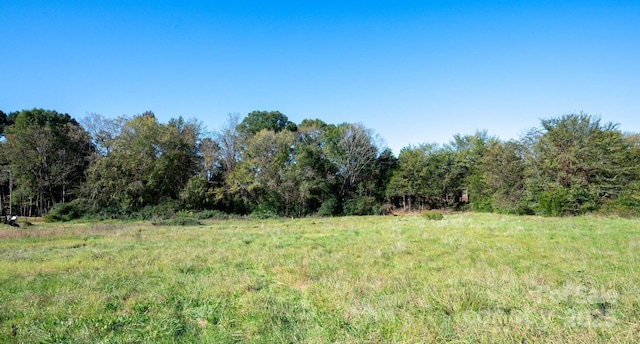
x,y
413,71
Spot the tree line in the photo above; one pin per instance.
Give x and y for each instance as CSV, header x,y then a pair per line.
x,y
265,165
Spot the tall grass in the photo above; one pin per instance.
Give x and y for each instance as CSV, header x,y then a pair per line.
x,y
467,278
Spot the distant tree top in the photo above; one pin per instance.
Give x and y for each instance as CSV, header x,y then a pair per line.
x,y
39,117
3,122
270,120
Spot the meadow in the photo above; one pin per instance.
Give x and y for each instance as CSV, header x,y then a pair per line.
x,y
468,278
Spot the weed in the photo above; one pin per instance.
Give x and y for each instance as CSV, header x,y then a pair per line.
x,y
432,215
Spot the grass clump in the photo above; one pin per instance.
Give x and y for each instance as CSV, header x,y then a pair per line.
x,y
212,214
178,221
432,215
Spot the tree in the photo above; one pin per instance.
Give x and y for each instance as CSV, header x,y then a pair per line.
x,y
504,171
380,175
464,181
195,194
3,122
410,178
209,152
102,131
147,163
259,177
257,121
351,149
627,202
230,143
120,178
579,161
178,159
421,177
312,176
48,154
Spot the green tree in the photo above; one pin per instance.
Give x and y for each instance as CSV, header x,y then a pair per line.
x,y
353,150
209,153
147,163
464,182
312,176
380,175
195,194
627,202
579,162
421,178
257,121
4,122
505,172
178,158
409,181
48,154
259,177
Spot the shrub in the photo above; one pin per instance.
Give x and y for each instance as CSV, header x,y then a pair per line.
x,y
625,206
164,210
263,214
184,213
68,211
194,194
361,205
212,214
554,202
386,209
433,215
328,207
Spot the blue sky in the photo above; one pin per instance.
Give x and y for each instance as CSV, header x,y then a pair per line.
x,y
413,71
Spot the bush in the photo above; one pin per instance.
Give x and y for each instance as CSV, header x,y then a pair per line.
x,y
162,211
68,211
432,215
562,201
110,213
194,194
328,207
386,209
626,206
184,213
263,214
554,202
212,214
362,205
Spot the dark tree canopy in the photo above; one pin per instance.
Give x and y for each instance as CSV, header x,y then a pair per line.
x,y
265,120
4,122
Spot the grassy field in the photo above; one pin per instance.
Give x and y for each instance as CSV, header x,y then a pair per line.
x,y
468,278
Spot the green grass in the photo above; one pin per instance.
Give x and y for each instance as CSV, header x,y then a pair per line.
x,y
468,278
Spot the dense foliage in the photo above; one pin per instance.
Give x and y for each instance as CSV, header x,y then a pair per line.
x,y
265,166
